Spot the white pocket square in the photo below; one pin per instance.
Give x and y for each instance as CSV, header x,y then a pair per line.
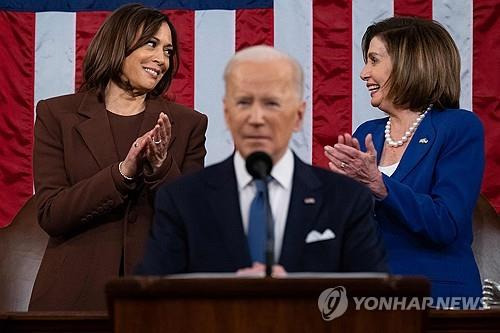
x,y
315,236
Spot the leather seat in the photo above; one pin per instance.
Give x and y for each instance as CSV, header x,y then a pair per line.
x,y
486,245
22,245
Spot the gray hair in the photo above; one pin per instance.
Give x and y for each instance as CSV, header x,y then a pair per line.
x,y
263,53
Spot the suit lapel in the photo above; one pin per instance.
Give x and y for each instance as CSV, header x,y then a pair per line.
x,y
96,132
305,203
378,142
420,144
224,201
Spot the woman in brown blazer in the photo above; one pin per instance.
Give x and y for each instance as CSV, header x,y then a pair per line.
x,y
100,155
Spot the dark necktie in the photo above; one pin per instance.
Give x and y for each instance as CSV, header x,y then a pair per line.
x,y
257,224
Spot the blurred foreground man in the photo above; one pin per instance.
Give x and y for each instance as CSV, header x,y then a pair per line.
x,y
206,222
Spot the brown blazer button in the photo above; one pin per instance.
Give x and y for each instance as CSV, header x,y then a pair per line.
x,y
83,220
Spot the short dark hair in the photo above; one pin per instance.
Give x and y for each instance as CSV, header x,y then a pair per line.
x,y
425,59
116,39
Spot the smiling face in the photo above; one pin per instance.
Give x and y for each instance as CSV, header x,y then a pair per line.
x,y
262,106
146,65
376,72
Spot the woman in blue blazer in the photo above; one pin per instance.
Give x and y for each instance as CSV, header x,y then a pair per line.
x,y
424,162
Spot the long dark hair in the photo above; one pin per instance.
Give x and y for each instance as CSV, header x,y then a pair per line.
x,y
116,39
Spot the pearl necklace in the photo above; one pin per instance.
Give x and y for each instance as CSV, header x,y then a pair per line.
x,y
408,133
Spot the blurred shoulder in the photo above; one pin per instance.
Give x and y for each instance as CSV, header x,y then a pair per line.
x,y
333,183
193,185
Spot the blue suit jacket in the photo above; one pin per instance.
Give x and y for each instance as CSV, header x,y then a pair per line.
x,y
426,219
198,225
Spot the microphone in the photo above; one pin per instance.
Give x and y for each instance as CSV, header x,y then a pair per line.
x,y
259,166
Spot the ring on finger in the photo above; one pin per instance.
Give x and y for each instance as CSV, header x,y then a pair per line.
x,y
343,165
136,144
157,142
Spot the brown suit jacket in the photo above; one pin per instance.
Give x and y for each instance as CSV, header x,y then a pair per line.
x,y
93,216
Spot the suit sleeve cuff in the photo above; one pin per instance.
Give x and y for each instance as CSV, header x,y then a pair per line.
x,y
123,185
152,177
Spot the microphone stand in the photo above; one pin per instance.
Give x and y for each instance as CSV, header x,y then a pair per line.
x,y
259,165
269,253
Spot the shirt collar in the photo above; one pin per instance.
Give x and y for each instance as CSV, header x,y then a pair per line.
x,y
282,171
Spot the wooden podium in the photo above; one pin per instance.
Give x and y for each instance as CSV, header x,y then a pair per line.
x,y
220,304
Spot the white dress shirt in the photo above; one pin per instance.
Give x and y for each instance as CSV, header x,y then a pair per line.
x,y
280,190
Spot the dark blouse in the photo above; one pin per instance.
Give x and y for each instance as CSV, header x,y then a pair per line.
x,y
125,130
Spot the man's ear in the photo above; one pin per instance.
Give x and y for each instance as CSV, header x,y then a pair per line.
x,y
300,116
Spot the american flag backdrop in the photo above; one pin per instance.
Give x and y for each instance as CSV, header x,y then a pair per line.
x,y
42,44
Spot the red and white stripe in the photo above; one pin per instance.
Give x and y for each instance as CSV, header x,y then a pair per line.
x,y
41,56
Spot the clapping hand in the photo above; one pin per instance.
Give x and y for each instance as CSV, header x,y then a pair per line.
x,y
157,142
347,158
151,146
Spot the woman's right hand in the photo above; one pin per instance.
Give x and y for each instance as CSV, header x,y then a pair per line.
x,y
347,158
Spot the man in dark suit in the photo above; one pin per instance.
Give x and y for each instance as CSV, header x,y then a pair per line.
x,y
323,221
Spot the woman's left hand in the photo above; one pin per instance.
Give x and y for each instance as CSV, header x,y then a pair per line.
x,y
158,140
347,158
